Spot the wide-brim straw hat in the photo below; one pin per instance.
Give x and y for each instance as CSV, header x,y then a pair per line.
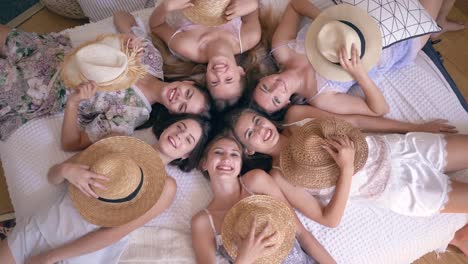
x,y
136,180
338,26
266,209
306,163
207,12
107,60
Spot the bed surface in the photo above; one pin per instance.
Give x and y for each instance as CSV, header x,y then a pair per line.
x,y
366,235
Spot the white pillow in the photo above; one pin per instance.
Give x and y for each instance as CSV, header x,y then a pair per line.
x,y
398,19
98,10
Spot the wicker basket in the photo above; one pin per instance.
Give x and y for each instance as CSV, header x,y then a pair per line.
x,y
66,8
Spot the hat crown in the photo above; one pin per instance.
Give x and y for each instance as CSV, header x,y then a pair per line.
x,y
263,216
101,62
124,176
207,12
333,36
308,150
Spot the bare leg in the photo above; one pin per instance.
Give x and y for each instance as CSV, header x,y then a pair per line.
x,y
433,8
4,30
460,240
447,25
5,253
457,152
457,198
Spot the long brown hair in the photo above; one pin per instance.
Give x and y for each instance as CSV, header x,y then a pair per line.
x,y
253,61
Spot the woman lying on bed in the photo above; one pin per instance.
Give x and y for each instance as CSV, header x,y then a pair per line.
x,y
299,82
222,164
403,173
215,45
76,228
30,87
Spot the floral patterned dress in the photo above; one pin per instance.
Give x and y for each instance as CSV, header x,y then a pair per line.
x,y
30,87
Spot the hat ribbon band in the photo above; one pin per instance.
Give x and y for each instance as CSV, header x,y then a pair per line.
x,y
360,35
129,197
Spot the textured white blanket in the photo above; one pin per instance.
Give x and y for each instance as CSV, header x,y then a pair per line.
x,y
366,234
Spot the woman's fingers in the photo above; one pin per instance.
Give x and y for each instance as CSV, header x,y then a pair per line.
x,y
354,54
330,151
98,185
90,191
99,176
253,227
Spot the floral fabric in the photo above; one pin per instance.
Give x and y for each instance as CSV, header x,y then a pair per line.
x,y
30,87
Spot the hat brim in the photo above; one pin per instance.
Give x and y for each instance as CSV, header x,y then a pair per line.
x,y
361,20
71,76
207,13
321,177
264,208
107,214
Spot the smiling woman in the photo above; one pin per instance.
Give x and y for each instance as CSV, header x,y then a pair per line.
x,y
181,139
222,165
216,45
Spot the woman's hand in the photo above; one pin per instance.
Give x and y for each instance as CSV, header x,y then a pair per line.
x,y
342,151
253,246
133,42
84,91
353,66
80,176
436,126
240,8
173,5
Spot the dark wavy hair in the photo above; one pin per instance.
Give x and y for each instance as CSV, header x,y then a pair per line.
x,y
193,159
257,160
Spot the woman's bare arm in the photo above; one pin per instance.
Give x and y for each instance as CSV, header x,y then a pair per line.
x,y
104,237
369,123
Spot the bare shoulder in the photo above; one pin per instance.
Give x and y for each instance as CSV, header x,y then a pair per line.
x,y
257,180
188,47
200,221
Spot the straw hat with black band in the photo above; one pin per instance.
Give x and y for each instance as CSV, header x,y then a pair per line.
x,y
207,12
107,60
136,180
306,163
338,26
266,209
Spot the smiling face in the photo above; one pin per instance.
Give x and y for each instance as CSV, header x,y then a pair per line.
x,y
256,132
183,97
179,139
224,158
272,93
223,78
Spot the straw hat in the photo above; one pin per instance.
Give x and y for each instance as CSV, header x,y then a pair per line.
x,y
207,12
305,163
266,209
107,60
136,180
339,26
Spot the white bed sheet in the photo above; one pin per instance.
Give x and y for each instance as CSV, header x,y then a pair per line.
x,y
366,234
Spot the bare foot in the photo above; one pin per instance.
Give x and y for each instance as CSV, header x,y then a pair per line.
x,y
461,245
447,26
460,240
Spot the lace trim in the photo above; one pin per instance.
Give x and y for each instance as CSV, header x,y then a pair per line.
x,y
446,198
378,168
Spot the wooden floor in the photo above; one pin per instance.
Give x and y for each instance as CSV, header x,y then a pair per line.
x,y
454,49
